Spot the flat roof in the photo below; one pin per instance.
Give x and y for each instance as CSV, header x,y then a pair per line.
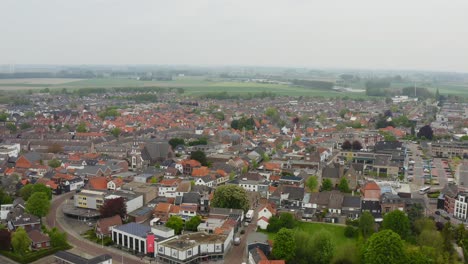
x,y
187,241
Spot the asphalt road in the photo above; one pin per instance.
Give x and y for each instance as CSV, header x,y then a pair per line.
x,y
79,243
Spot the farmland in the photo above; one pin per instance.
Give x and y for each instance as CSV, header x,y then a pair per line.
x,y
201,85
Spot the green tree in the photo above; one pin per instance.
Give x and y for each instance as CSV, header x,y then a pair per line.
x,y
231,196
38,204
232,175
284,245
192,224
343,186
5,198
398,222
115,132
303,247
57,238
312,183
3,117
174,142
460,233
39,187
81,128
366,224
54,163
322,248
327,185
199,156
20,241
287,220
12,127
176,223
26,191
384,247
154,180
447,235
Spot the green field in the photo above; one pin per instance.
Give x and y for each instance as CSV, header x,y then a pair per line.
x,y
196,86
342,243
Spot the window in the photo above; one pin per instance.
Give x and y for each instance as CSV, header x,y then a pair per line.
x,y
189,253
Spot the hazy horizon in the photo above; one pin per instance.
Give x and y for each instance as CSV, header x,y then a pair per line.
x,y
395,35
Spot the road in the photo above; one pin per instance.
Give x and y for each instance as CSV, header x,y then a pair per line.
x,y
237,254
90,248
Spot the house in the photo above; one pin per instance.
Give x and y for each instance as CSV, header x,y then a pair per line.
x,y
262,222
162,211
371,191
98,183
373,207
38,240
27,221
351,207
89,199
205,180
104,225
65,257
257,256
132,200
115,184
288,196
188,210
391,202
353,177
76,183
332,173
168,187
267,211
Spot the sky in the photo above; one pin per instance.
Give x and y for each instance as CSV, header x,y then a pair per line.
x,y
364,34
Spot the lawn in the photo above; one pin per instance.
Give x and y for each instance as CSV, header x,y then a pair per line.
x,y
337,232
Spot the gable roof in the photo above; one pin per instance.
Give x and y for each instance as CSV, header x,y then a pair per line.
x,y
98,183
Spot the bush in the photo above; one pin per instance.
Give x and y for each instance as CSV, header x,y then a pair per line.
x,y
242,232
350,231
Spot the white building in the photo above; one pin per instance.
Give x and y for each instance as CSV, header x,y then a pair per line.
x,y
132,236
132,200
262,223
194,247
4,210
460,210
12,150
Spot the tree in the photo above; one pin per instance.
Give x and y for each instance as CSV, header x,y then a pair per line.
x,y
356,145
175,222
24,126
81,128
231,196
12,127
322,248
5,198
413,132
199,156
312,183
174,142
426,132
366,224
39,187
384,247
115,132
192,224
154,180
287,220
57,238
26,191
29,189
3,117
303,247
54,163
327,185
284,245
38,204
460,233
398,222
5,240
20,241
343,186
346,145
113,207
447,235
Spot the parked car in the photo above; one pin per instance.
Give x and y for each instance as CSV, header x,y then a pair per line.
x,y
237,241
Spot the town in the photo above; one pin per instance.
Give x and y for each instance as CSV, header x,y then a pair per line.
x,y
155,176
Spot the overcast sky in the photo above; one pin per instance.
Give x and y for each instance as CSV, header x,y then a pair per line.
x,y
392,34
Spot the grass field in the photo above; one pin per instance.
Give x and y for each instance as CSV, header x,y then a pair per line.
x,y
342,243
195,86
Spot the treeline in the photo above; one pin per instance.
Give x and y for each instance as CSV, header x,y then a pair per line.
x,y
60,74
226,96
314,84
247,123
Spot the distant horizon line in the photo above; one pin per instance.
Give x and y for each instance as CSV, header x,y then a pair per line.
x,y
237,65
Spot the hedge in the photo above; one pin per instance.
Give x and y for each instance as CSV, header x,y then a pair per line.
x,y
34,255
